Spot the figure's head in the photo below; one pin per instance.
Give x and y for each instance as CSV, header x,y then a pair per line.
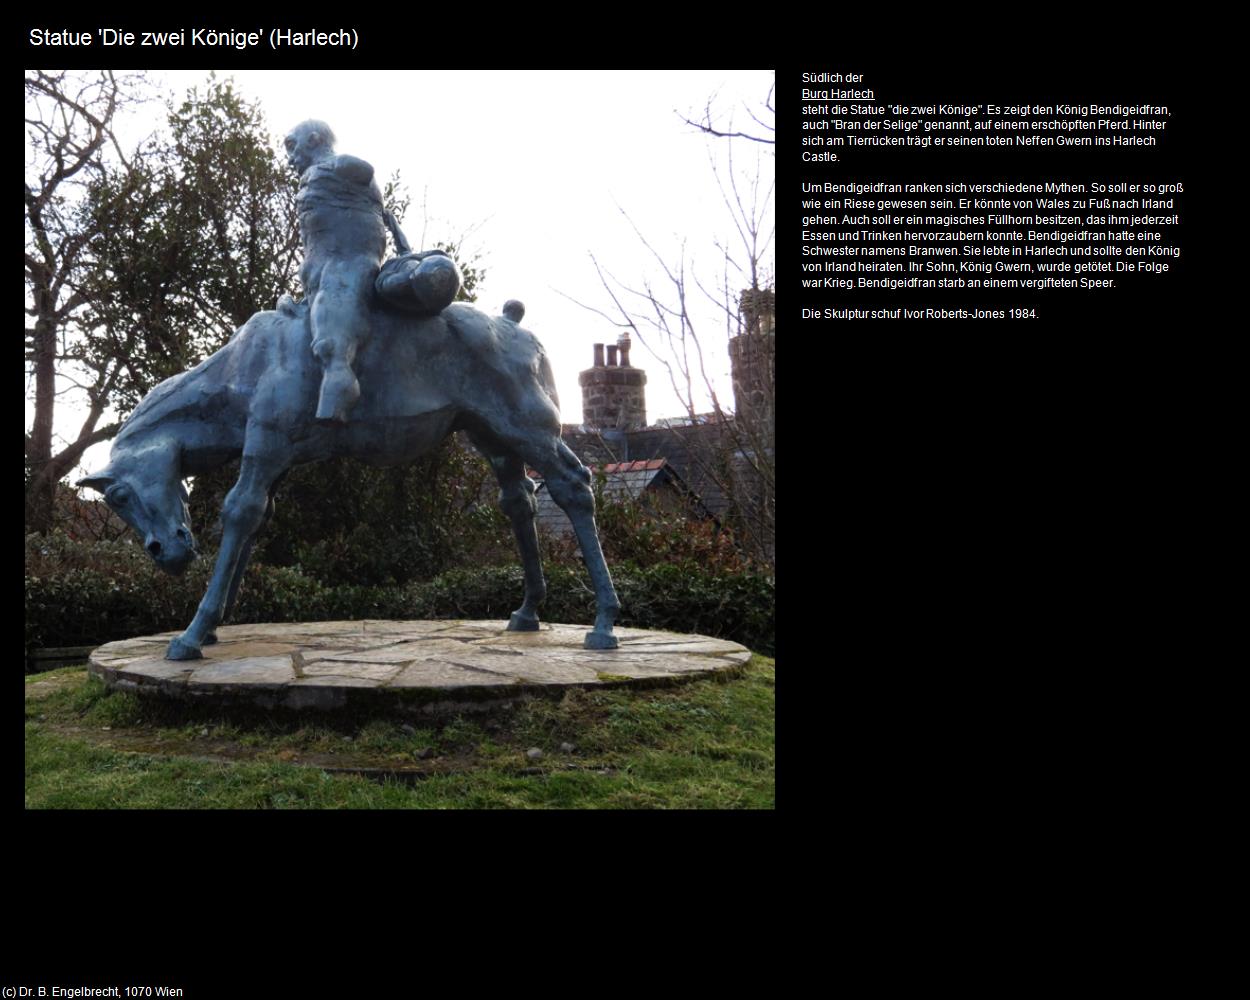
x,y
307,143
155,505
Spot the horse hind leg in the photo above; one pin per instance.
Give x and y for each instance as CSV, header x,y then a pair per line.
x,y
516,497
568,482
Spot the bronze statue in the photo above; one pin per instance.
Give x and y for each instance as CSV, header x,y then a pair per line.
x,y
403,368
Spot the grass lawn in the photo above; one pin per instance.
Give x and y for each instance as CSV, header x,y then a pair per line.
x,y
708,744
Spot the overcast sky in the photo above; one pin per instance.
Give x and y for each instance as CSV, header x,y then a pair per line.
x,y
537,167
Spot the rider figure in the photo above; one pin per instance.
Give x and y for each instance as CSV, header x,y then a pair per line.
x,y
343,226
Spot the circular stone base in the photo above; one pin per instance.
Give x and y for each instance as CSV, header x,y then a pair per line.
x,y
424,666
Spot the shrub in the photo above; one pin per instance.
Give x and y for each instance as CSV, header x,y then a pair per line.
x,y
687,598
87,594
80,594
496,591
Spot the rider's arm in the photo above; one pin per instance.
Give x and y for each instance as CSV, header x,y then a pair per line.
x,y
401,241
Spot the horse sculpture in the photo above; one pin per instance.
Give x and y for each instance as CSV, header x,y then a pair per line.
x,y
421,378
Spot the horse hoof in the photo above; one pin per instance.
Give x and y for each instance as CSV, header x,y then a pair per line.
x,y
522,623
179,650
210,638
601,640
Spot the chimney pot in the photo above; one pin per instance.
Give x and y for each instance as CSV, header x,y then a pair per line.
x,y
598,355
611,355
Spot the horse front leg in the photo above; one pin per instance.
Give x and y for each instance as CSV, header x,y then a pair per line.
x,y
232,595
242,516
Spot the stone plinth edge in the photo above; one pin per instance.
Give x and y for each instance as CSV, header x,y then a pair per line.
x,y
430,667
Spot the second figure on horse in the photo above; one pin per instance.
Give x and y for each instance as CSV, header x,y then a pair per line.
x,y
343,225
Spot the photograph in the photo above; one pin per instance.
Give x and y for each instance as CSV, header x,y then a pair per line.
x,y
399,439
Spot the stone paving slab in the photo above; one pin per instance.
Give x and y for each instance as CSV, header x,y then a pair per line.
x,y
246,670
365,671
444,674
332,680
160,669
425,666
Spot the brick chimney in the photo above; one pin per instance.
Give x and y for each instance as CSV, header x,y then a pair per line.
x,y
614,394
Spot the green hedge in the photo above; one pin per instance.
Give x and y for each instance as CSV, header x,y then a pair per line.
x,y
79,595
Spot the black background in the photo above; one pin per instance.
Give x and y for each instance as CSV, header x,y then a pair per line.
x,y
970,499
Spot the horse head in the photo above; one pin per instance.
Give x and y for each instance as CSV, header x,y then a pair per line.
x,y
144,489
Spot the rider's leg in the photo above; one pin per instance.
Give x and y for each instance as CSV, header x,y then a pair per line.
x,y
339,323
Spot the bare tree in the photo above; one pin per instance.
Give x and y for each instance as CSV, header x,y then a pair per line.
x,y
139,265
761,130
69,128
734,448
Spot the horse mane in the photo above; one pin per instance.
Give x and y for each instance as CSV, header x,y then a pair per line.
x,y
171,396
